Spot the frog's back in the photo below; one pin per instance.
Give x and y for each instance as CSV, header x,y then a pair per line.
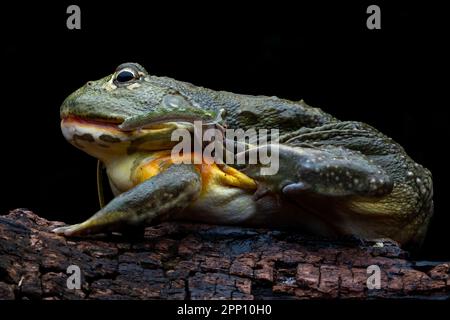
x,y
248,111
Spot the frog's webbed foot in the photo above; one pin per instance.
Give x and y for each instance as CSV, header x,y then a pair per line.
x,y
327,171
154,199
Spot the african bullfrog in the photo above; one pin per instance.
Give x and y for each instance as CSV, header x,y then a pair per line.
x,y
334,177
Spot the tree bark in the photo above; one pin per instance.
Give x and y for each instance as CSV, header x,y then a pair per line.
x,y
197,261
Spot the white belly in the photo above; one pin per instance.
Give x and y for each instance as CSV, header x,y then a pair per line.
x,y
222,205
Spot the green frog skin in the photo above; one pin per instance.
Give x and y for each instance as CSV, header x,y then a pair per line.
x,y
335,177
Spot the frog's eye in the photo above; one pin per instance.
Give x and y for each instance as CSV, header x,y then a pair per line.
x,y
126,75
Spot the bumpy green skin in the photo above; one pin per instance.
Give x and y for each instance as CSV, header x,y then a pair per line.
x,y
339,171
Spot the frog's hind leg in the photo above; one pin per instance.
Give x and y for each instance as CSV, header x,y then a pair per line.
x,y
322,184
156,198
327,171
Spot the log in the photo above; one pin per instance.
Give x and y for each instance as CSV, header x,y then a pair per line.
x,y
198,261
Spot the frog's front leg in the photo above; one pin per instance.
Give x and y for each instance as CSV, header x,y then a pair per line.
x,y
168,192
327,171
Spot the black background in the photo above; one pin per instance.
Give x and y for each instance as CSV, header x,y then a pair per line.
x,y
394,79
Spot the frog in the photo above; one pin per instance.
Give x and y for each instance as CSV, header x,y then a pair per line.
x,y
335,178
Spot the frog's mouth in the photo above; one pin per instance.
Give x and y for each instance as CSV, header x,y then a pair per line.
x,y
103,138
74,125
107,123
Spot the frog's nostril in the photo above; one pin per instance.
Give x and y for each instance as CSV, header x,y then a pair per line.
x,y
90,83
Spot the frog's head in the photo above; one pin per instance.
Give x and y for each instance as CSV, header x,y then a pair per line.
x,y
129,111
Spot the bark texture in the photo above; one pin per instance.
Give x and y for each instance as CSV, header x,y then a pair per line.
x,y
195,261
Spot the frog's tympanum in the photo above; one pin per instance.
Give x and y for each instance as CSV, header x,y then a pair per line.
x,y
334,178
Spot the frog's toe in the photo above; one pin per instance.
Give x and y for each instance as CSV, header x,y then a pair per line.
x,y
67,231
294,188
